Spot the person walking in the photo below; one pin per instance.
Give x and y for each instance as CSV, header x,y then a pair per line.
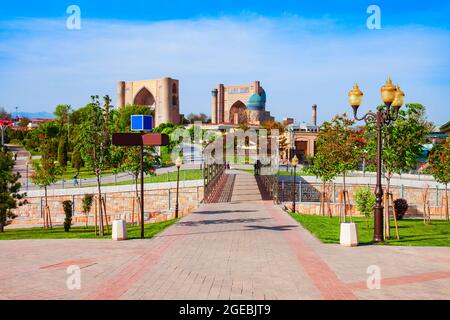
x,y
75,179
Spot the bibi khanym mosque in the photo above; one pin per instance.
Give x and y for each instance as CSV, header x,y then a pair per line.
x,y
235,105
232,106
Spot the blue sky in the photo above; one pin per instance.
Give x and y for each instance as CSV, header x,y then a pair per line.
x,y
303,52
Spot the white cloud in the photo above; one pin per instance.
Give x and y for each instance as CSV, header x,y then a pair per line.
x,y
299,62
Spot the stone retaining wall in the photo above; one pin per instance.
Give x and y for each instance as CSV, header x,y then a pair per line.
x,y
120,201
308,195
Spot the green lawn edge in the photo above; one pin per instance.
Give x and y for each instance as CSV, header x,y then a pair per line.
x,y
413,232
80,232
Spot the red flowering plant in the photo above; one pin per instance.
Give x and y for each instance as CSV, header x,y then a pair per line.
x,y
340,147
439,159
345,144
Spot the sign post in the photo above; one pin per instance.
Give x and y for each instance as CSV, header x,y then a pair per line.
x,y
140,123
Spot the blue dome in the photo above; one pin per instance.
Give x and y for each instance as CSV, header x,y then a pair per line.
x,y
256,101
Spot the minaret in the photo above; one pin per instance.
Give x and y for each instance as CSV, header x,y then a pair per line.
x,y
214,106
120,94
314,115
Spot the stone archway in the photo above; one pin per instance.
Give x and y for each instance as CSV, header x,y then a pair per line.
x,y
238,113
144,98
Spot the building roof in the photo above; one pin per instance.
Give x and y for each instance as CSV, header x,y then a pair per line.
x,y
303,126
445,127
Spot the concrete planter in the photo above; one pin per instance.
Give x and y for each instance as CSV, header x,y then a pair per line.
x,y
119,230
349,235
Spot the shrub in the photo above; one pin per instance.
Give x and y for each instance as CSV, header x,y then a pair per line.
x,y
365,202
87,204
401,206
67,205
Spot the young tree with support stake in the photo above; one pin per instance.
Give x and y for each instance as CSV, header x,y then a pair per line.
x,y
345,145
45,173
324,167
439,159
94,145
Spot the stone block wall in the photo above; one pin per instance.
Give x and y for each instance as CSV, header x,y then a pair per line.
x,y
159,205
310,203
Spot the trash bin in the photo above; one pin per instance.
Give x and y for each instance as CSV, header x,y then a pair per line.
x,y
119,230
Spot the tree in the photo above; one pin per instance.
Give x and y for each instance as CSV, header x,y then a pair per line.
x,y
124,115
198,117
87,205
94,142
365,202
76,161
45,173
324,167
62,113
343,146
68,208
10,197
402,143
62,152
439,160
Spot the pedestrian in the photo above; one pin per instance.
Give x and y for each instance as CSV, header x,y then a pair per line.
x,y
15,156
75,179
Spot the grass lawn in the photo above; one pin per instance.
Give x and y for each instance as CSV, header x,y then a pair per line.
x,y
194,174
413,232
84,173
134,232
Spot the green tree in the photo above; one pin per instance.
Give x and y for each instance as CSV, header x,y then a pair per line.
x,y
62,152
10,197
439,160
365,202
68,208
77,161
402,143
94,142
45,173
62,113
340,148
324,167
124,115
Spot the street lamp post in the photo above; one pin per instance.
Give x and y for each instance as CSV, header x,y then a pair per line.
x,y
393,97
294,165
178,164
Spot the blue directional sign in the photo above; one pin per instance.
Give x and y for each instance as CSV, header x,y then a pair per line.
x,y
141,123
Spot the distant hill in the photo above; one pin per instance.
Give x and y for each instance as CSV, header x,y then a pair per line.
x,y
30,115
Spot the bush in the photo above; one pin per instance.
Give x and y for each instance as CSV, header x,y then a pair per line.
x,y
401,206
365,201
87,205
67,205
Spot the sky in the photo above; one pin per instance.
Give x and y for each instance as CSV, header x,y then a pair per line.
x,y
303,52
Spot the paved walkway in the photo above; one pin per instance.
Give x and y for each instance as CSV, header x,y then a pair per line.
x,y
243,249
21,165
